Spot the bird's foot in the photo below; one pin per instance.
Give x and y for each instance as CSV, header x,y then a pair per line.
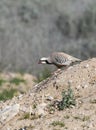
x,y
57,72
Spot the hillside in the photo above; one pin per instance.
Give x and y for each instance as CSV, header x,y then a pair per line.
x,y
38,109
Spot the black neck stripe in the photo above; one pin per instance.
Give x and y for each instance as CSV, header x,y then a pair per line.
x,y
48,62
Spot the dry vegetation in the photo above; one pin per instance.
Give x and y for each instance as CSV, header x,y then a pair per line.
x,y
66,101
13,84
30,29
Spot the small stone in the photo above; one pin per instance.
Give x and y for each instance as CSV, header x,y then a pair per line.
x,y
70,67
40,109
86,66
85,86
70,81
49,98
51,112
78,87
20,96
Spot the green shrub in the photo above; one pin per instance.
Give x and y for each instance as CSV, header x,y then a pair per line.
x,y
63,24
81,26
7,94
17,81
67,99
2,81
86,23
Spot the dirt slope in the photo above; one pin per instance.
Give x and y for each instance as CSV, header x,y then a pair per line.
x,y
35,112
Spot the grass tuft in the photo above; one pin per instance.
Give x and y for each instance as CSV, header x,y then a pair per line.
x,y
26,115
58,123
29,116
84,118
17,81
7,94
2,81
93,101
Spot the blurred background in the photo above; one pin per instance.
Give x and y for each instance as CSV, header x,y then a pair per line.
x,y
30,29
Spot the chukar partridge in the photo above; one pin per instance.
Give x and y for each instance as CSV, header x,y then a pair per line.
x,y
59,59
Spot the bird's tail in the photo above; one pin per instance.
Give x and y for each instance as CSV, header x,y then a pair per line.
x,y
76,61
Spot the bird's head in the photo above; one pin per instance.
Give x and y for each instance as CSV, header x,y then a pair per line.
x,y
45,60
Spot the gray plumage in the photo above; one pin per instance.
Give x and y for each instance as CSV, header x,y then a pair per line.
x,y
59,59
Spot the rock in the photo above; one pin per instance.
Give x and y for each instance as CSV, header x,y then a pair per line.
x,y
8,113
40,109
49,98
20,97
86,66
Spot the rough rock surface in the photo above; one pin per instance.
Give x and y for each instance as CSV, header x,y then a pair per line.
x,y
81,78
8,113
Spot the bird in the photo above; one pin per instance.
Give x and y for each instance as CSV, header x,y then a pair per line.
x,y
59,59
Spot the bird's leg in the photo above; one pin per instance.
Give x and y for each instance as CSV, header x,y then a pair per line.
x,y
57,72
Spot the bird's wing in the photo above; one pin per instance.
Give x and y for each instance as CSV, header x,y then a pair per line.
x,y
60,59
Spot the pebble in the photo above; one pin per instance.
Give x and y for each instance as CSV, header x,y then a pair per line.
x,y
40,109
49,98
86,66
